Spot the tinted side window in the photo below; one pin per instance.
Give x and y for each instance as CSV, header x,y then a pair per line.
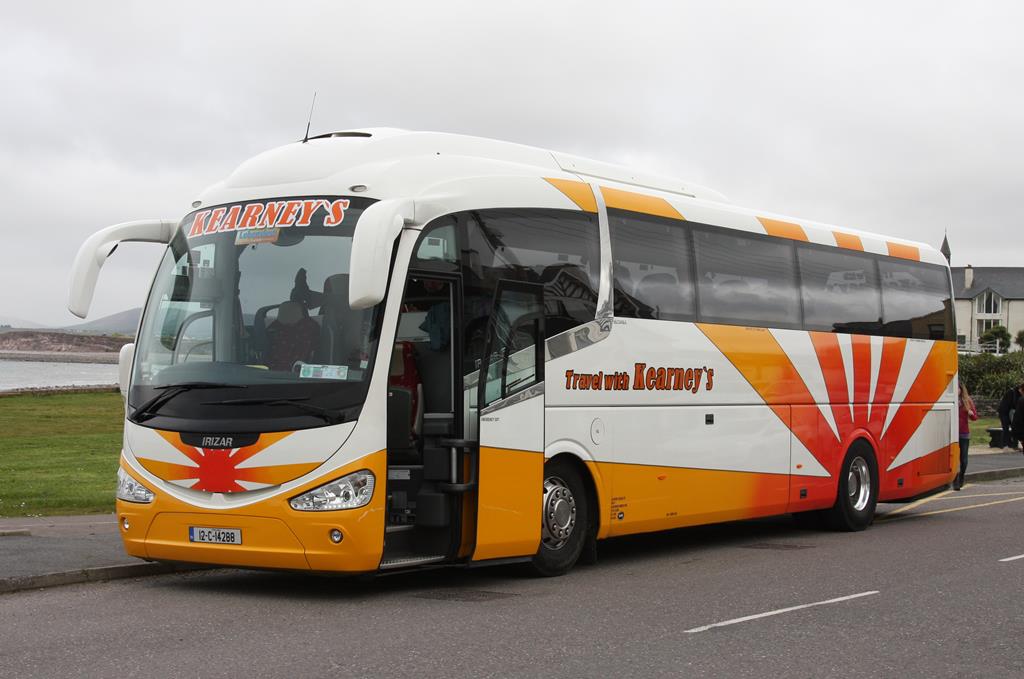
x,y
916,300
652,271
555,248
746,280
840,291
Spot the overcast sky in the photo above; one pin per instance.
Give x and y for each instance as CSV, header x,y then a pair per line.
x,y
905,118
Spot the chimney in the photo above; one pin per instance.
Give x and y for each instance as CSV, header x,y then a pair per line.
x,y
968,276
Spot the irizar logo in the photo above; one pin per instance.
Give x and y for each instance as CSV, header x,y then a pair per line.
x,y
218,442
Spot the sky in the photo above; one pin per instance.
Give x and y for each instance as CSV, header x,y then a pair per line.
x,y
902,118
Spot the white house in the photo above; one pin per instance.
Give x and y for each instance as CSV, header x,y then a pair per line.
x,y
987,296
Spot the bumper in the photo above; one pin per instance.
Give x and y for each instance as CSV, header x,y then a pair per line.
x,y
273,534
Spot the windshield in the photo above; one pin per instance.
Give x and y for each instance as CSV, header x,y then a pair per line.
x,y
254,297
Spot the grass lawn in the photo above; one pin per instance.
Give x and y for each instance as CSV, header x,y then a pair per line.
x,y
59,453
979,437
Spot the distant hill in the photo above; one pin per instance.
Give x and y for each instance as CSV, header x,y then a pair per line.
x,y
17,322
59,342
122,323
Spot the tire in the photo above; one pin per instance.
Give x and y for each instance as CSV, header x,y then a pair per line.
x,y
854,509
565,520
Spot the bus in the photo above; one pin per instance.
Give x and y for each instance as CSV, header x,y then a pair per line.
x,y
378,349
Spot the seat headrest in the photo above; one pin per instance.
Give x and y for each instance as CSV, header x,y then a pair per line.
x,y
336,285
290,313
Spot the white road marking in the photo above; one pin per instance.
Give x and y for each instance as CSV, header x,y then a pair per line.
x,y
756,616
1012,558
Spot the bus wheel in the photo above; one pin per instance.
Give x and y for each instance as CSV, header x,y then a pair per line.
x,y
564,520
854,509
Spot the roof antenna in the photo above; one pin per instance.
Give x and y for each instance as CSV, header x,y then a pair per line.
x,y
310,120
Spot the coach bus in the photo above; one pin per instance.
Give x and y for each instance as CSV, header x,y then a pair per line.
x,y
377,349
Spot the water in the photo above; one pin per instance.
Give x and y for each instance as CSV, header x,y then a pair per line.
x,y
20,374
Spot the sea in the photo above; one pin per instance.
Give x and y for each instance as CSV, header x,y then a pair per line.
x,y
22,374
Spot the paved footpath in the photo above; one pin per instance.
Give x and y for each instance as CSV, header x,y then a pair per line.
x,y
59,550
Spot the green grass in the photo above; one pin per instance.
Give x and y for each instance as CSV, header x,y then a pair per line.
x,y
59,453
979,435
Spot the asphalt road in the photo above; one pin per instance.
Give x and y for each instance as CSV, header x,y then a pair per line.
x,y
923,593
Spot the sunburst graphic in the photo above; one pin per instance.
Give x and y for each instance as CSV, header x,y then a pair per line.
x,y
219,470
861,376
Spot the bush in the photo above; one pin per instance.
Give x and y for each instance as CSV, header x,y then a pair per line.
x,y
1019,341
997,333
988,375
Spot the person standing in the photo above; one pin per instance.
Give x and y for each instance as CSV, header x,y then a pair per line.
x,y
1007,409
1017,425
967,412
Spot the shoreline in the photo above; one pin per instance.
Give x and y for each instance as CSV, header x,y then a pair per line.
x,y
100,357
50,391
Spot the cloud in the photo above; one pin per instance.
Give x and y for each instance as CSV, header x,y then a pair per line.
x,y
894,117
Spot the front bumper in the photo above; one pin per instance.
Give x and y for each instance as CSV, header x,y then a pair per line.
x,y
273,534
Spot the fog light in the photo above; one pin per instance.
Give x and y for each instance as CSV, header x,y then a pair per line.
x,y
124,523
336,535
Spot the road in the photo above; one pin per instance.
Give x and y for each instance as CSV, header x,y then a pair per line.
x,y
926,592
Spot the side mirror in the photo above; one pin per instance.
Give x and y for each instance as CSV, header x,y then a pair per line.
x,y
372,245
95,250
124,368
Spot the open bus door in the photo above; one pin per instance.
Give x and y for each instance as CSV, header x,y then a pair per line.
x,y
510,475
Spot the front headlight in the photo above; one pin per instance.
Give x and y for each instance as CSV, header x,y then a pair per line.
x,y
130,490
348,492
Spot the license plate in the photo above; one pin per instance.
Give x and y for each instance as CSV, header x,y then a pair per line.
x,y
219,536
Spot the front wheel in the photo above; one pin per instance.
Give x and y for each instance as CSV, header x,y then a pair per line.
x,y
564,520
854,509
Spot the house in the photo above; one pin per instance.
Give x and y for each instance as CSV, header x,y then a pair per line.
x,y
987,296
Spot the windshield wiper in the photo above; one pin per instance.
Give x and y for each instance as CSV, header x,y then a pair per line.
x,y
150,407
328,416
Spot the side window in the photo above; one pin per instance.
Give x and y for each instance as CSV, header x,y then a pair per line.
x,y
746,280
557,249
516,345
840,291
438,244
652,267
916,300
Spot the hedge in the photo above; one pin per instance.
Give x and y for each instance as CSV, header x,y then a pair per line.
x,y
989,376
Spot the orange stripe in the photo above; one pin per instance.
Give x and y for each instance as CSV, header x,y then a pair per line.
x,y
774,227
274,475
169,471
638,202
904,251
848,241
578,192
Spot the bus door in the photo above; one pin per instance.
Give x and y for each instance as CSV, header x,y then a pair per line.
x,y
426,484
510,397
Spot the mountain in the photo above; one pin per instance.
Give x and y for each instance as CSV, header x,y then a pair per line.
x,y
122,323
17,322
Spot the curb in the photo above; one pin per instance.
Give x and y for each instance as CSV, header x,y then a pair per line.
x,y
995,474
15,532
97,574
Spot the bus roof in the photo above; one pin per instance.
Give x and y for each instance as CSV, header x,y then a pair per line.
x,y
390,163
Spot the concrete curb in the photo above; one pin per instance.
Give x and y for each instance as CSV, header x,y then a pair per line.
x,y
97,574
995,474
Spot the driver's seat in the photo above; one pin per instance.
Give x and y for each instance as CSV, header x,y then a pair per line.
x,y
292,336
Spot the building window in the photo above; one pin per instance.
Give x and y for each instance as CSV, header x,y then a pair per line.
x,y
984,324
988,302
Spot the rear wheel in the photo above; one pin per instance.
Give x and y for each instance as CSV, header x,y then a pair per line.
x,y
854,509
564,520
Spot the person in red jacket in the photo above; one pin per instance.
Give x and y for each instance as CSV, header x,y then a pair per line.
x,y
967,412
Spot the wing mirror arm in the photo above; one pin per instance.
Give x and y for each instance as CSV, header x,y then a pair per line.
x,y
95,250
